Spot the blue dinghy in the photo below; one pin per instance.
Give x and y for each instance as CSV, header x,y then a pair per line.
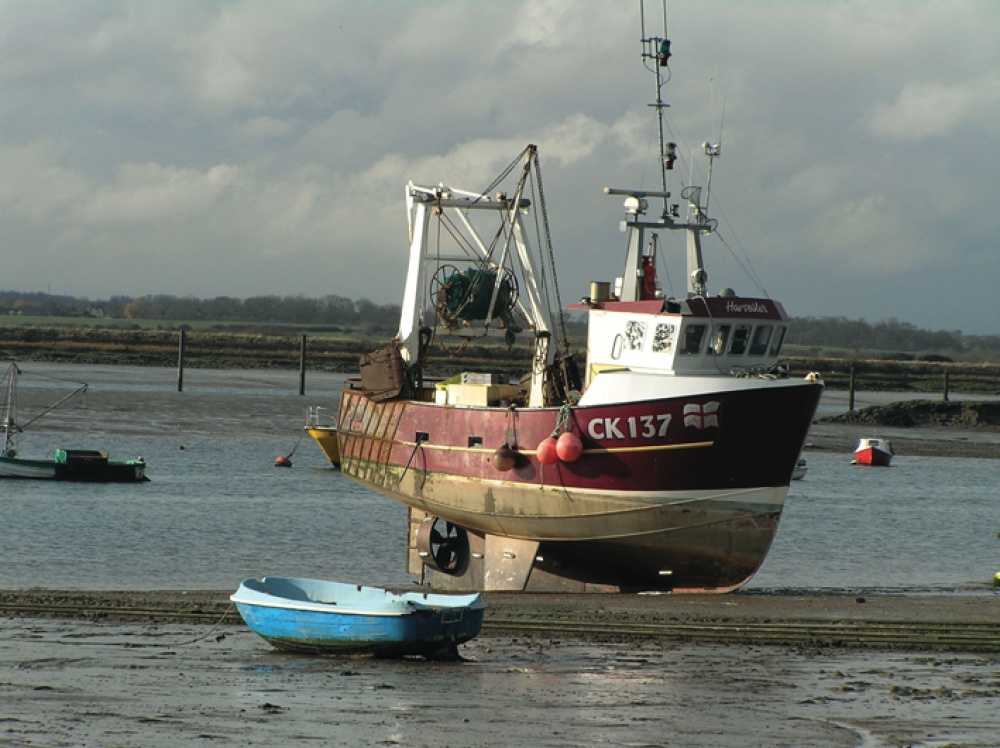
x,y
317,616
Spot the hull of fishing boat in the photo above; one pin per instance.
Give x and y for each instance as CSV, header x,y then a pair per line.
x,y
15,467
682,492
131,471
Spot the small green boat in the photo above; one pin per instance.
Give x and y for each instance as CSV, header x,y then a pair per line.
x,y
68,464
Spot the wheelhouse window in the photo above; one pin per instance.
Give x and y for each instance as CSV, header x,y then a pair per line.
x,y
779,338
694,335
720,337
635,333
740,337
663,338
761,337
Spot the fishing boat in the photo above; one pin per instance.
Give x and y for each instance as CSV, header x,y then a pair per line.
x,y
84,465
663,464
324,433
318,616
872,451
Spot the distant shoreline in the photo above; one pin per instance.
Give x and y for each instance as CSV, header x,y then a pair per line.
x,y
917,427
833,435
280,349
924,424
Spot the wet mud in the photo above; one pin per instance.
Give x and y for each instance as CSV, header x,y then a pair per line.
x,y
74,683
91,677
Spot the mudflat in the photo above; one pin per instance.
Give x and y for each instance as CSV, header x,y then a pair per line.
x,y
524,612
126,668
914,441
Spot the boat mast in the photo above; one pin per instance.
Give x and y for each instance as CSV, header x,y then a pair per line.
x,y
9,413
11,427
657,50
656,56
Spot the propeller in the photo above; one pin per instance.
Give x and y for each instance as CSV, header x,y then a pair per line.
x,y
444,546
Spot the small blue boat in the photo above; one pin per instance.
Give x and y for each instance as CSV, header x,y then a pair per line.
x,y
321,617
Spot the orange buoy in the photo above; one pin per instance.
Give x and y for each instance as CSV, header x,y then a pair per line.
x,y
504,458
569,447
546,451
282,462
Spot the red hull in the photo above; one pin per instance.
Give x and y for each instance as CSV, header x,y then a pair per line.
x,y
680,493
872,456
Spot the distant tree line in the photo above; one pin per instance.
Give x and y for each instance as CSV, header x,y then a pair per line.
x,y
890,336
819,334
326,311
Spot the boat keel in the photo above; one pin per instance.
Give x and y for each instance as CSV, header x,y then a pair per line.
x,y
451,558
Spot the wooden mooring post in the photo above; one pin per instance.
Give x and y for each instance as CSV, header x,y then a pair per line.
x,y
850,392
302,366
180,362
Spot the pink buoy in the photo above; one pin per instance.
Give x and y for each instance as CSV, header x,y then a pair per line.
x,y
546,451
569,447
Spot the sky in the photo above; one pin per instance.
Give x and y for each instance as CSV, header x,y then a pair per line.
x,y
250,148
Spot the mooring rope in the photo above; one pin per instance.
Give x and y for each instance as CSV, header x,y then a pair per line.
x,y
562,420
133,645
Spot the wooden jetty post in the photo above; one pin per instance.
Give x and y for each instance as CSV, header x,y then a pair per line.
x,y
180,362
302,366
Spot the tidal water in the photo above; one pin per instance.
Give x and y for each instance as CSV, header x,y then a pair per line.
x,y
217,510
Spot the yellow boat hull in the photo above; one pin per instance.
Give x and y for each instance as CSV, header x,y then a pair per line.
x,y
326,438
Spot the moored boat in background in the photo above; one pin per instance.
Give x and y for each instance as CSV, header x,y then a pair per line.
x,y
801,468
82,465
872,451
664,464
324,434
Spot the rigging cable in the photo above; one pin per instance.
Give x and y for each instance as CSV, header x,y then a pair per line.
x,y
504,174
79,390
746,264
549,252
